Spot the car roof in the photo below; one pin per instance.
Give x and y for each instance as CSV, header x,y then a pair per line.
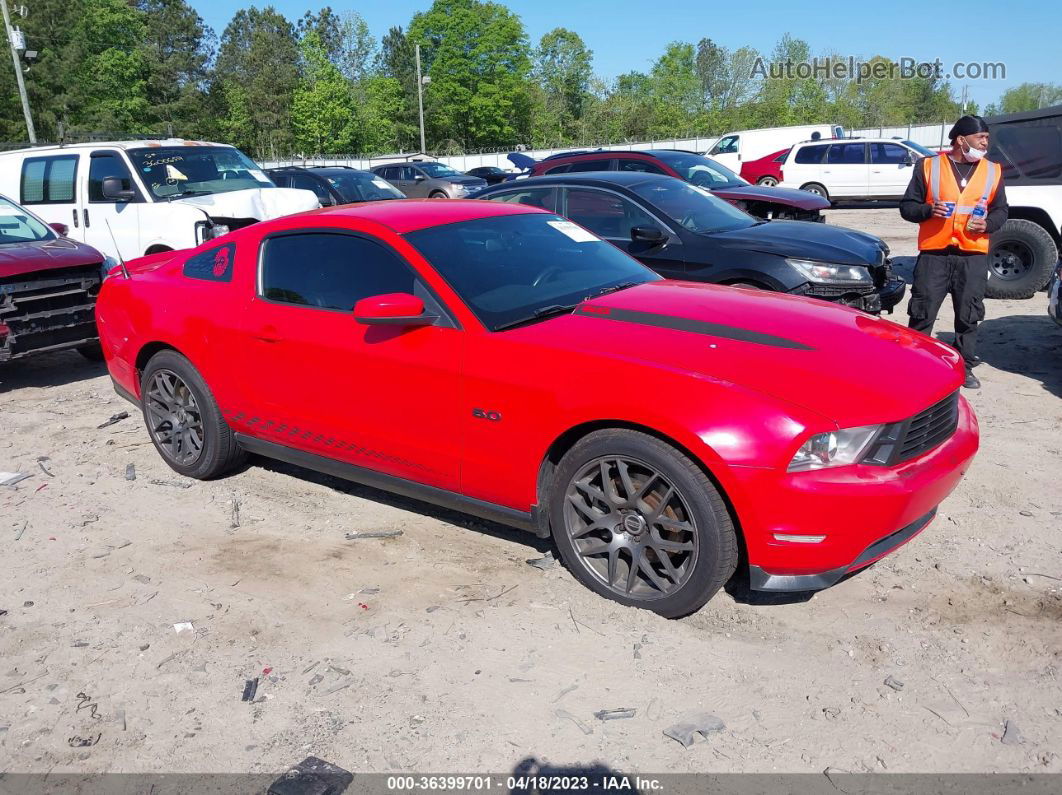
x,y
601,178
144,144
409,215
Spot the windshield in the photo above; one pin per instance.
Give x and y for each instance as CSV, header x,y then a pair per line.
x,y
437,170
700,170
18,226
172,172
508,268
693,207
920,149
361,186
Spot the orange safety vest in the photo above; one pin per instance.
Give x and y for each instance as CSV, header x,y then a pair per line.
x,y
935,233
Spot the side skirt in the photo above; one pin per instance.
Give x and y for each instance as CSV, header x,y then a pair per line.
x,y
395,485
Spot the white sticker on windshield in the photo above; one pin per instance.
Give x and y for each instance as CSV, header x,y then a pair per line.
x,y
380,183
574,231
258,175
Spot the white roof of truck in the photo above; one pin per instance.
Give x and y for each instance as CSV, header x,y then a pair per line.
x,y
144,144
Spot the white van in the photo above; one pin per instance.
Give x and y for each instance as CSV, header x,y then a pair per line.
x,y
736,148
142,197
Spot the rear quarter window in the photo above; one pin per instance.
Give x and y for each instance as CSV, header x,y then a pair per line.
x,y
811,154
212,265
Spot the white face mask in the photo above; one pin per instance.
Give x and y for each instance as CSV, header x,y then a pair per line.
x,y
972,155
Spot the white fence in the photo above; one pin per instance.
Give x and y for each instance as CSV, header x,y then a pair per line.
x,y
933,136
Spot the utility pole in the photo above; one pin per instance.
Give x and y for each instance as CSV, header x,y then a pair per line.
x,y
18,74
421,81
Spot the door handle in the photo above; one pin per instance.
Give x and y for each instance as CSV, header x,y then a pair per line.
x,y
268,334
75,217
85,211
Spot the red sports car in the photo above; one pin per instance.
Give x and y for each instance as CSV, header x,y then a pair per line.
x,y
502,360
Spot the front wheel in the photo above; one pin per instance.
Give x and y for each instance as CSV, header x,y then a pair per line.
x,y
183,419
638,522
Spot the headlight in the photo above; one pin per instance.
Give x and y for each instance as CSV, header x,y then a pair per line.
x,y
834,449
826,273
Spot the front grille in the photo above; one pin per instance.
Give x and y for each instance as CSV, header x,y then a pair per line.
x,y
902,441
48,310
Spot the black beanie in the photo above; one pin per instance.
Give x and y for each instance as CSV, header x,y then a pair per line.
x,y
968,125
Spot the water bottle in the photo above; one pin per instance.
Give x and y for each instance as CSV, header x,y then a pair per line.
x,y
979,211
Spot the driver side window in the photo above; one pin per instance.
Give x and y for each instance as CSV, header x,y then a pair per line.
x,y
605,214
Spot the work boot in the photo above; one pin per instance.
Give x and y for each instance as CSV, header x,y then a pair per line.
x,y
971,381
973,361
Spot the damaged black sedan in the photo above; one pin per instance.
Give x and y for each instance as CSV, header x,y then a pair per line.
x,y
682,231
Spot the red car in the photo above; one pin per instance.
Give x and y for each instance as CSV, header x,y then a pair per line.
x,y
767,170
48,287
499,359
761,201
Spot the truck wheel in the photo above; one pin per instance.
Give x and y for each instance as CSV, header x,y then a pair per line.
x,y
1020,261
183,419
638,522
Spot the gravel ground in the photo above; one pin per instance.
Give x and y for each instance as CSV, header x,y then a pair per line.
x,y
441,649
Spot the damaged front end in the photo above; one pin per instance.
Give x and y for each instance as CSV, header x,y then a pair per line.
x,y
49,310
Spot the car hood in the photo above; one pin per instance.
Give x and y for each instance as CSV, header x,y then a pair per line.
x,y
259,203
472,182
23,258
790,197
850,367
803,240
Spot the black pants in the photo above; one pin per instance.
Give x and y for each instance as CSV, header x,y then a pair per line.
x,y
964,276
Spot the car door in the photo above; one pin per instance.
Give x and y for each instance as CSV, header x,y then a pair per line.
x,y
48,186
106,222
379,397
310,182
612,216
393,174
846,171
415,183
891,166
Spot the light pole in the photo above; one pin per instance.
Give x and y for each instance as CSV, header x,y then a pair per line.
x,y
421,82
18,74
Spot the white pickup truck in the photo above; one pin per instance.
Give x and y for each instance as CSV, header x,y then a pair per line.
x,y
1024,252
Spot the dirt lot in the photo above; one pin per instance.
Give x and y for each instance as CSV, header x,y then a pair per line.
x,y
443,650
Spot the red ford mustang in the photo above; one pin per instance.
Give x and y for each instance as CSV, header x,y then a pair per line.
x,y
504,361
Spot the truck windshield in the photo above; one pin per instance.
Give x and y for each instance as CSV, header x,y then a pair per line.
x,y
175,171
18,226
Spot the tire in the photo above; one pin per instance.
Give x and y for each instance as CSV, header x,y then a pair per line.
x,y
768,181
702,546
437,194
1021,260
218,451
92,351
817,189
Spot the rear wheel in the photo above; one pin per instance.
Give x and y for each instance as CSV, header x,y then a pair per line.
x,y
768,181
817,189
183,419
638,522
1021,260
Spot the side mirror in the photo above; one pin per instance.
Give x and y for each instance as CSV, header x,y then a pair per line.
x,y
909,160
114,189
648,234
392,309
418,178
60,228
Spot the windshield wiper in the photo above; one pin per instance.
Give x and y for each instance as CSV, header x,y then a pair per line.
x,y
182,194
613,289
539,314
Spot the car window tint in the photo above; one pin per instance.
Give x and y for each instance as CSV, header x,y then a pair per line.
x,y
49,180
279,179
605,214
409,172
626,164
888,153
782,156
726,145
847,154
533,197
306,182
101,166
811,154
559,169
330,271
595,164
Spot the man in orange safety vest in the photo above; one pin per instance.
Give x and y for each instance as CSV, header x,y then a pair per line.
x,y
957,199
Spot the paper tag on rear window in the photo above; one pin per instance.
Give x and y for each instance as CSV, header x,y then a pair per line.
x,y
575,232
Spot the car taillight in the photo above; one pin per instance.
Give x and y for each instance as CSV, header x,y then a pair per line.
x,y
4,330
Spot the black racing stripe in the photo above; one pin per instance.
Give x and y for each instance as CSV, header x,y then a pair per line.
x,y
691,325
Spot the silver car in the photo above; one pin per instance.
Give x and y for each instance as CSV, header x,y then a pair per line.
x,y
430,180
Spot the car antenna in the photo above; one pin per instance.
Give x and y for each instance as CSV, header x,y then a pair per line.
x,y
121,259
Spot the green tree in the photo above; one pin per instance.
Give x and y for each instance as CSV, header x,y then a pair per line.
x,y
477,56
396,61
674,92
562,67
322,113
1029,96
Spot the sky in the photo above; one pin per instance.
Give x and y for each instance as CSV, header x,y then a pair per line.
x,y
627,35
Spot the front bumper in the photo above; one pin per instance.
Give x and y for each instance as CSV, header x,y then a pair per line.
x,y
817,526
876,300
